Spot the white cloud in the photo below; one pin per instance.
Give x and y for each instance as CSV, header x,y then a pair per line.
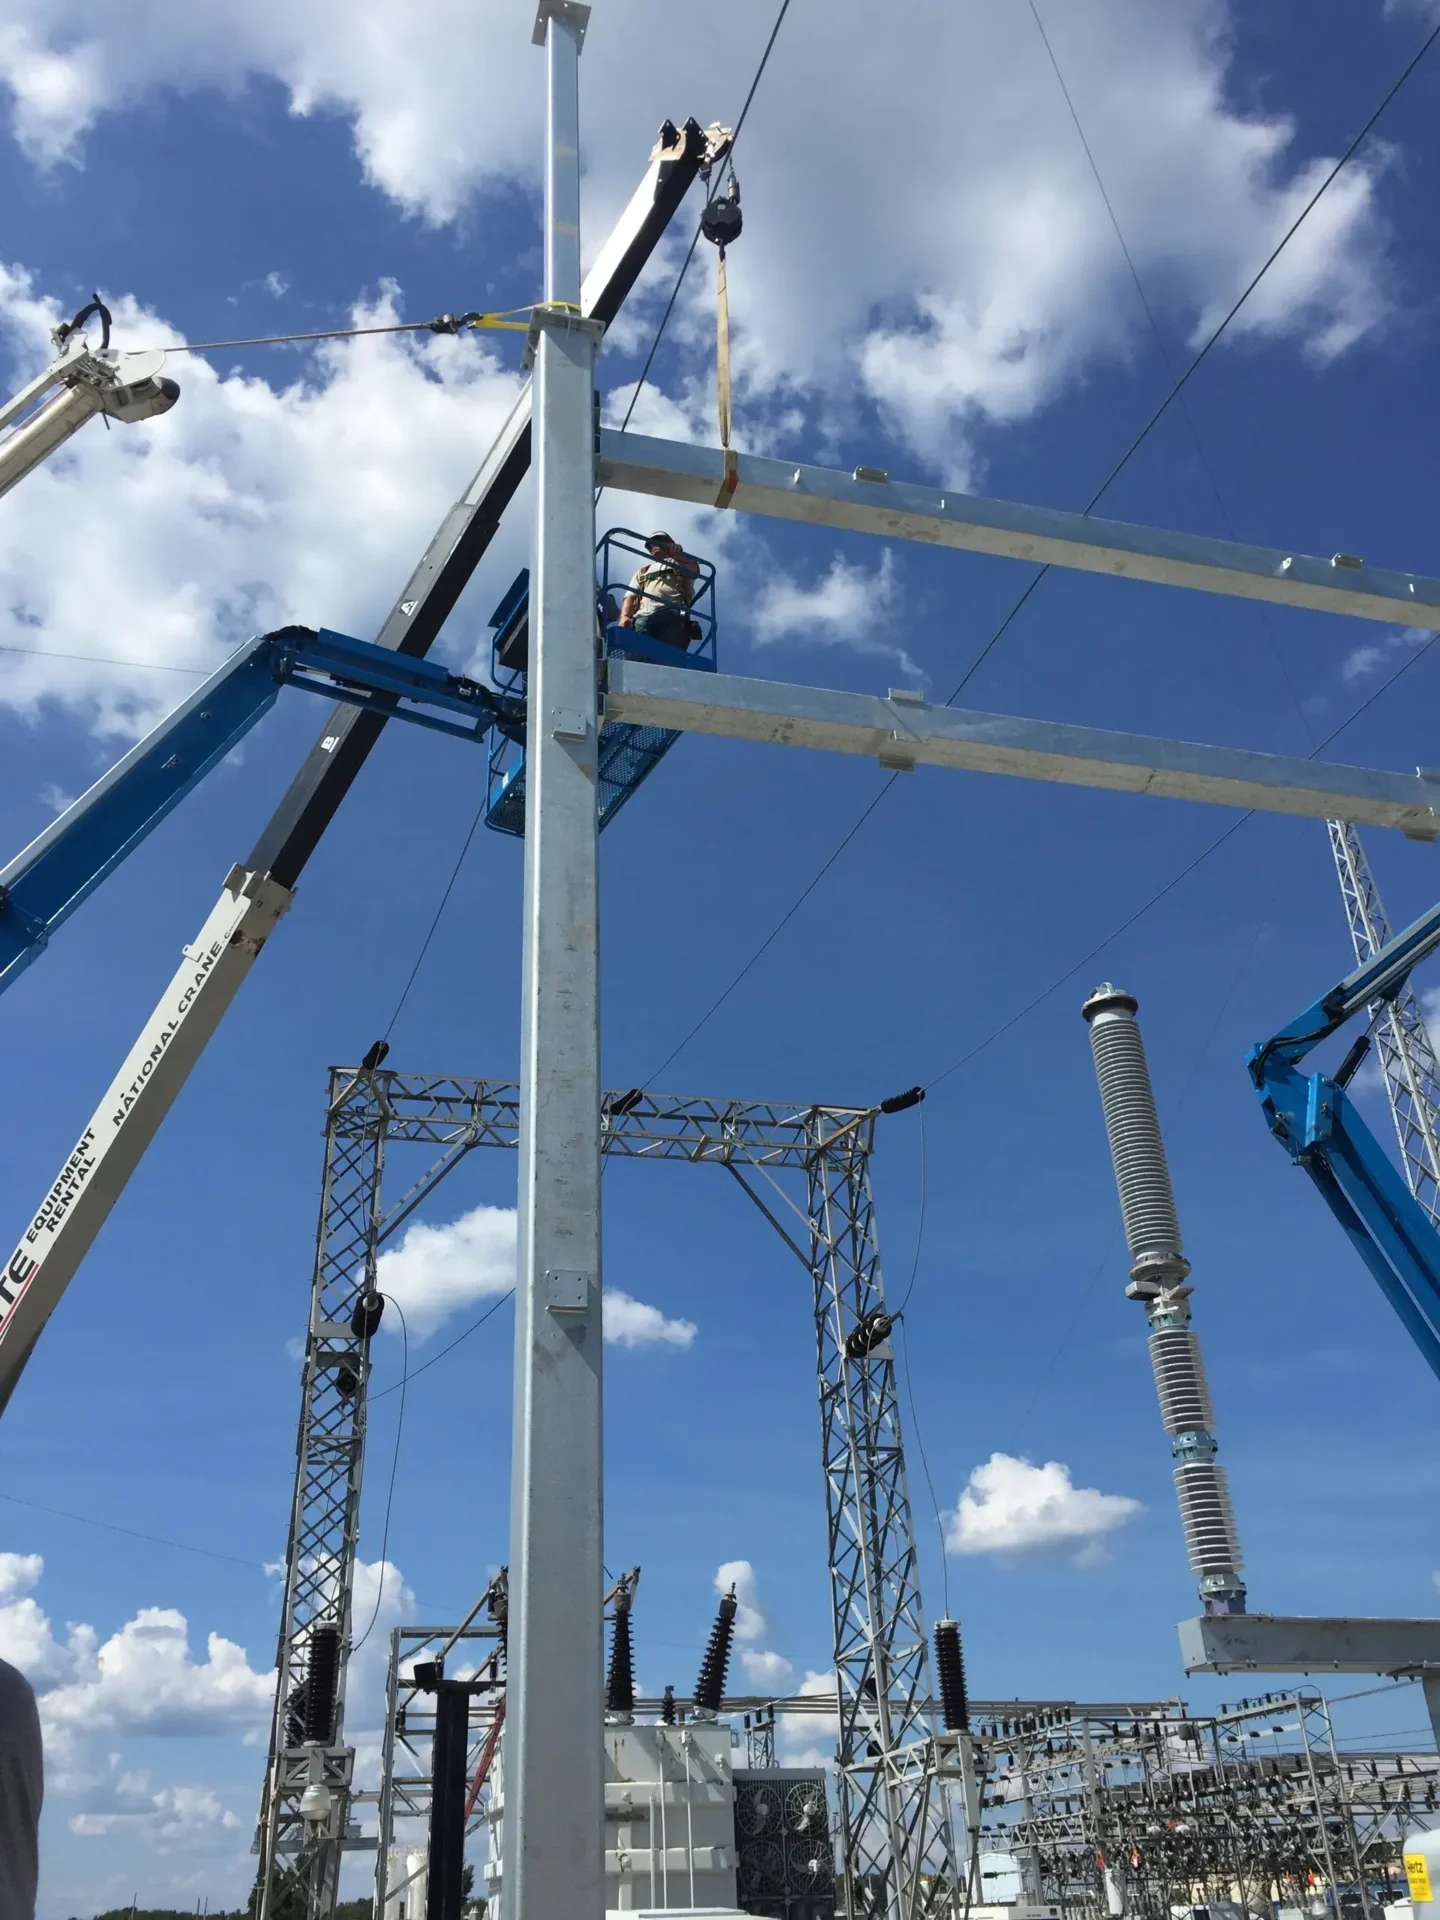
x,y
810,1739
27,1640
275,284
847,606
382,1599
956,277
144,1679
1010,1505
767,1671
223,517
165,1819
1374,654
631,1323
437,1270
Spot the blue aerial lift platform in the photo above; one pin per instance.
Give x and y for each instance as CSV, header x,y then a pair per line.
x,y
628,754
1320,1127
43,885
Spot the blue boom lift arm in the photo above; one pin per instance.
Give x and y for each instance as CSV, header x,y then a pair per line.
x,y
1317,1123
43,886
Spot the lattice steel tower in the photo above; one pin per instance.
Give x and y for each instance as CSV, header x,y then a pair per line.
x,y
895,1779
1407,1058
305,1805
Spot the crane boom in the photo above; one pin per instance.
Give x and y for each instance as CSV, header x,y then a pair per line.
x,y
255,896
43,885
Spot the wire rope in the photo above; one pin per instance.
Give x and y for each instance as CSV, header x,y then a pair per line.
x,y
104,660
134,1533
695,239
1177,387
474,1327
1170,885
445,323
394,1469
435,922
920,1221
925,1468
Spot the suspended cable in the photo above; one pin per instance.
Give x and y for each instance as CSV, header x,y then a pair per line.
x,y
1269,261
394,1469
925,1466
1176,389
1205,466
105,660
474,1327
444,900
774,933
444,323
919,1225
1169,886
695,238
134,1533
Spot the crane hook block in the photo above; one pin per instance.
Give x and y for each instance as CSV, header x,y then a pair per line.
x,y
722,219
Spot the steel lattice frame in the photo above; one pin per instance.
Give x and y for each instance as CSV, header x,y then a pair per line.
x,y
897,1855
1407,1057
897,1849
1252,1804
406,1761
325,1512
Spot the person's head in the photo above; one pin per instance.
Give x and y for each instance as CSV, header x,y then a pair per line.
x,y
660,544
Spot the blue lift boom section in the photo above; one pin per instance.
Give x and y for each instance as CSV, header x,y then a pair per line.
x,y
44,885
1317,1123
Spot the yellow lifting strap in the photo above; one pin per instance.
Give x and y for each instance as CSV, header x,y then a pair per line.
x,y
722,380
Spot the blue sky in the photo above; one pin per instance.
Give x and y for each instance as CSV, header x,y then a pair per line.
x,y
929,282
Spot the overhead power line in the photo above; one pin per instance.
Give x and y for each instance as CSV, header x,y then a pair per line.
x,y
695,238
1169,887
1177,387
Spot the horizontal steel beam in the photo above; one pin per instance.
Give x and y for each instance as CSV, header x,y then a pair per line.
x,y
1279,1643
897,510
904,732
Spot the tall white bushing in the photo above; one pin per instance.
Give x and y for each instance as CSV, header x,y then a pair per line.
x,y
1159,1272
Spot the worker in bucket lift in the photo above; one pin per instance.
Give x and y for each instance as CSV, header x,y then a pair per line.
x,y
658,603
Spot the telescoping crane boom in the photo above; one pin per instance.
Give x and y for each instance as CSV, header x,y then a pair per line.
x,y
255,895
44,885
1320,1127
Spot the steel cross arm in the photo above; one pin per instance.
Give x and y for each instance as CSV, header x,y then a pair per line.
x,y
868,501
903,732
448,1110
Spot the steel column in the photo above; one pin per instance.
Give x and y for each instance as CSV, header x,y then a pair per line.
x,y
554,1806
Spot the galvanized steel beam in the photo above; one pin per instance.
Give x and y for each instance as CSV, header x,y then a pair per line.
x,y
867,500
904,732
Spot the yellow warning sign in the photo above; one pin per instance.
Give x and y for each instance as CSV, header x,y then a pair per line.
x,y
1417,1872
